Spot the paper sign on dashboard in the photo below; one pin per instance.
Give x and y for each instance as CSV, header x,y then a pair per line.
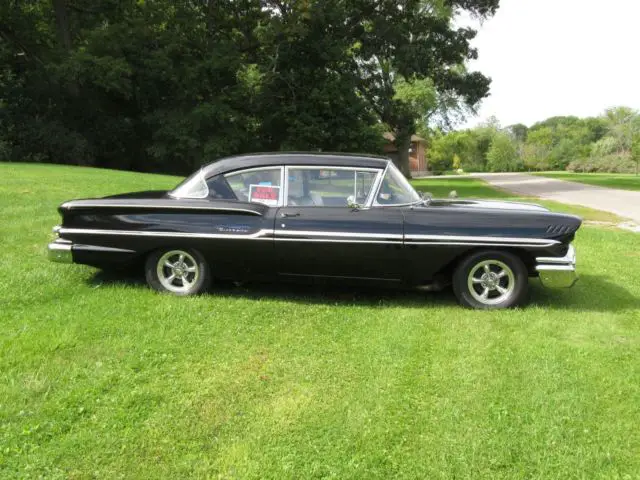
x,y
267,195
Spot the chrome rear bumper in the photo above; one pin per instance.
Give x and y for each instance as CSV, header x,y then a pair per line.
x,y
60,252
558,272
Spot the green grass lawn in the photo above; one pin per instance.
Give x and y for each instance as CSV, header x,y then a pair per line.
x,y
101,377
611,180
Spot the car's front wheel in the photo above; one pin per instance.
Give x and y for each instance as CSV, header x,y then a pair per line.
x,y
491,280
177,271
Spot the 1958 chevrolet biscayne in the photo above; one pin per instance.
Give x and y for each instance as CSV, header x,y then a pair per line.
x,y
320,216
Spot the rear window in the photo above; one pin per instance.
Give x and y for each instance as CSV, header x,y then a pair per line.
x,y
192,187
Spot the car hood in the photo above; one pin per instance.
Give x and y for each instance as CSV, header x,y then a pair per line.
x,y
490,218
487,204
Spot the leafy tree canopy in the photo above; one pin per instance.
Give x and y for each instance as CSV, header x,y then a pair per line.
x,y
158,85
604,143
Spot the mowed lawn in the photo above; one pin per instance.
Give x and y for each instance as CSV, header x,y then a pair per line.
x,y
610,180
102,378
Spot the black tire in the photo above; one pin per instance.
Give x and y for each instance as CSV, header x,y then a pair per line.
x,y
506,280
195,281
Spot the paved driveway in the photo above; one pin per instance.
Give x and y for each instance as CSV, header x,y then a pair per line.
x,y
621,202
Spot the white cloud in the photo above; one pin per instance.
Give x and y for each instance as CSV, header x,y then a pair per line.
x,y
559,57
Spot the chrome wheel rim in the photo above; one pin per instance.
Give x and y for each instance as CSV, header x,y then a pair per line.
x,y
491,282
177,271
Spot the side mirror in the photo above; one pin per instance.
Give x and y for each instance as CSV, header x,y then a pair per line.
x,y
426,197
351,202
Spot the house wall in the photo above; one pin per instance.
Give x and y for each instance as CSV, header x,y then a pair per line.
x,y
417,157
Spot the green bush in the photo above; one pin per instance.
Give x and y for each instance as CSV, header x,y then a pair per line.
x,y
612,163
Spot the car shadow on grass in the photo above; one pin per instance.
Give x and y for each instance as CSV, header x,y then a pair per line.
x,y
324,293
591,293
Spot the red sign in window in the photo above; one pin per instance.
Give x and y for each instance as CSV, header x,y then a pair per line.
x,y
266,194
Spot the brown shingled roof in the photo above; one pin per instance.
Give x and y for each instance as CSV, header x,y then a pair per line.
x,y
414,138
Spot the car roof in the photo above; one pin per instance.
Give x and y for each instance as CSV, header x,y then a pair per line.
x,y
255,160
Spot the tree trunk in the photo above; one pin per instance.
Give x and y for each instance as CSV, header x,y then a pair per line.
x,y
403,144
62,23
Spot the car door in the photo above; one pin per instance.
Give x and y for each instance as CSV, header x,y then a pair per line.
x,y
242,244
319,232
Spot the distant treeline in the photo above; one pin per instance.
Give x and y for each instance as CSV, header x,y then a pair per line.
x,y
608,143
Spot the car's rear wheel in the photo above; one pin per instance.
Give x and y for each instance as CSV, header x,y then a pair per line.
x,y
177,271
491,280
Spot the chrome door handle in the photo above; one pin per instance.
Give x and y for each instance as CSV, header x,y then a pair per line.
x,y
292,214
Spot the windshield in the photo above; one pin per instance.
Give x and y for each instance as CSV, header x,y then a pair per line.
x,y
194,186
396,189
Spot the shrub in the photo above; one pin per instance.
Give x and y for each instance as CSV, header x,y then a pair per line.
x,y
503,155
612,163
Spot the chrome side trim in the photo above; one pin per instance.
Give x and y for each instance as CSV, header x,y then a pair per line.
x,y
249,170
130,233
100,249
328,236
374,203
59,252
329,240
374,188
315,234
329,167
285,187
89,204
481,244
509,240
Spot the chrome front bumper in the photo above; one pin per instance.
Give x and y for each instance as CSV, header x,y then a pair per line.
x,y
60,252
558,272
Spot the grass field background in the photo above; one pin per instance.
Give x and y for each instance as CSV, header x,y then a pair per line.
x,y
102,378
610,180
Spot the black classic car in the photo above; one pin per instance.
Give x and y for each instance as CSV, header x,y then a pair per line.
x,y
320,216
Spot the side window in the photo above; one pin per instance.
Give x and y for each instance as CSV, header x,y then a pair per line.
x,y
364,183
219,188
328,187
193,186
260,186
395,189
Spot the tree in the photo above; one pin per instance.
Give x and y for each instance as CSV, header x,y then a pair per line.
x,y
622,124
519,132
503,154
159,85
558,141
308,97
454,150
635,151
414,40
537,149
